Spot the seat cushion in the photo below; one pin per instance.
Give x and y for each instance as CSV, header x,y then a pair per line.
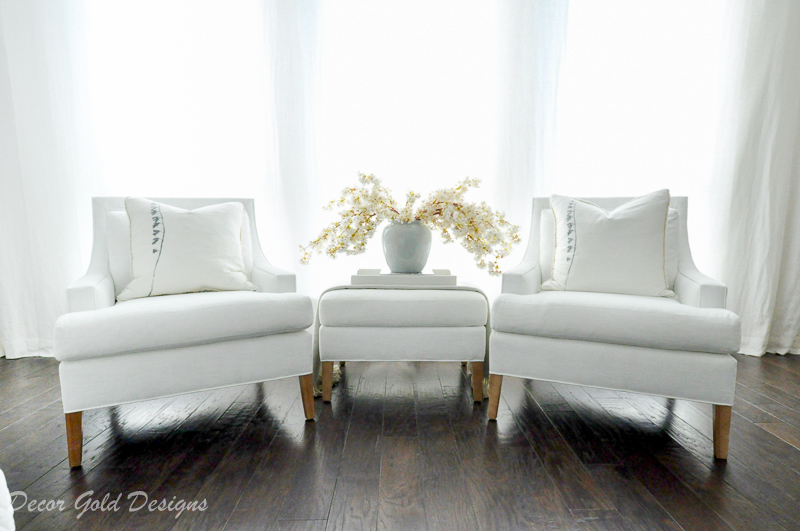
x,y
173,321
642,321
402,307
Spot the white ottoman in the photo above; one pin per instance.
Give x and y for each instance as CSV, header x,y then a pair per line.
x,y
359,323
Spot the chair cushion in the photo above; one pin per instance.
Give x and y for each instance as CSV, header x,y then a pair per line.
x,y
118,242
622,251
173,321
402,307
547,238
174,250
642,321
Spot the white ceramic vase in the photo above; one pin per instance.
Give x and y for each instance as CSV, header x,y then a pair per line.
x,y
406,246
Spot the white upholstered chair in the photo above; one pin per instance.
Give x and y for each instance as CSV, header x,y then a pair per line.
x,y
114,353
652,345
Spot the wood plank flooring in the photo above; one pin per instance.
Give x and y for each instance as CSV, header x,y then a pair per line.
x,y
403,446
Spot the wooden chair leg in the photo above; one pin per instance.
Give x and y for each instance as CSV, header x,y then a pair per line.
x,y
722,430
477,381
327,380
307,394
495,385
75,438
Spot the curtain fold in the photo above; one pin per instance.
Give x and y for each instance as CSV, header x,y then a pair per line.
x,y
41,167
218,102
534,36
291,30
761,168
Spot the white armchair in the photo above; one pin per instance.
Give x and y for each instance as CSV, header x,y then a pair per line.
x,y
115,353
652,345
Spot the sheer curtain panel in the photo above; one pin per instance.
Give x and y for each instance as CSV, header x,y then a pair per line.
x,y
217,100
533,38
42,168
760,169
291,34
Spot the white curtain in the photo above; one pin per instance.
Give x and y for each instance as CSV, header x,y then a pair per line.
x,y
286,101
760,169
291,32
149,98
42,168
534,36
638,106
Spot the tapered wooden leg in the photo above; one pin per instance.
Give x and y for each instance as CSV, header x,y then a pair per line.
x,y
327,380
495,384
477,381
307,394
75,438
722,430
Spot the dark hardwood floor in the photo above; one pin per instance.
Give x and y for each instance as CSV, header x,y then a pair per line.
x,y
402,446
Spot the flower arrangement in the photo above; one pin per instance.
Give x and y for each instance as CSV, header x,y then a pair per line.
x,y
483,232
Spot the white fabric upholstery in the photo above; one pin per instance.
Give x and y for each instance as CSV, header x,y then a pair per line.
x,y
547,245
688,375
402,323
547,242
111,380
673,246
172,321
403,308
620,250
161,346
653,322
696,289
118,240
665,347
176,250
96,288
450,343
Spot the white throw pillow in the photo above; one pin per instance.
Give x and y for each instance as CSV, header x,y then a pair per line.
x,y
547,244
183,251
623,251
118,243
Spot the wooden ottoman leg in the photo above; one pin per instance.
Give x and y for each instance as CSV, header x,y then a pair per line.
x,y
327,380
495,384
477,381
722,430
75,438
307,395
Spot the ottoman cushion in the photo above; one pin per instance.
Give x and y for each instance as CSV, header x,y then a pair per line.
x,y
402,308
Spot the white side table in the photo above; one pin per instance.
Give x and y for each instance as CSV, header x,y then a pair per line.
x,y
375,322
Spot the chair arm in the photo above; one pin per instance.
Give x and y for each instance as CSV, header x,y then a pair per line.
x,y
525,279
270,279
693,288
92,291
